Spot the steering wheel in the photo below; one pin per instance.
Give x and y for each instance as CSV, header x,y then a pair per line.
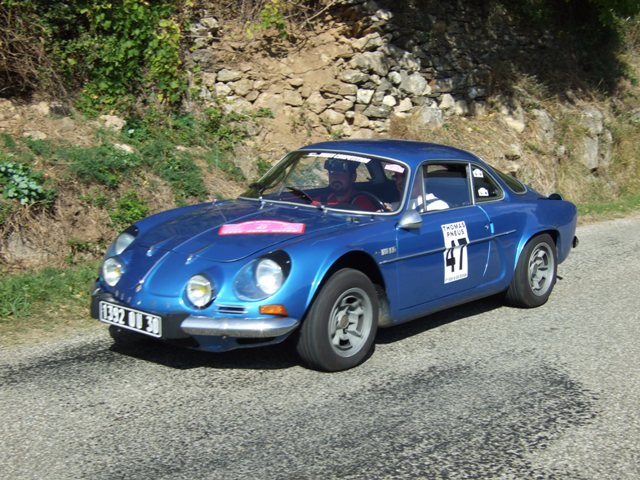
x,y
301,193
379,204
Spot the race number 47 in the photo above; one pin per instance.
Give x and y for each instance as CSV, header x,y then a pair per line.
x,y
455,262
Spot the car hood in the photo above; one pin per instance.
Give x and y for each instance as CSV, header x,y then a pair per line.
x,y
228,231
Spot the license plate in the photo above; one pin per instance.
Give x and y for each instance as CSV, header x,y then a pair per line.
x,y
131,319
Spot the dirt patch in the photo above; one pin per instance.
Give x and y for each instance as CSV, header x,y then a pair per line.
x,y
43,120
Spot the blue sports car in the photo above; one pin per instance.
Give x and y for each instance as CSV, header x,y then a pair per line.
x,y
336,240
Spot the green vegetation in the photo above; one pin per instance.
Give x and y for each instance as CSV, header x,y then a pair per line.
x,y
179,149
40,299
626,204
20,182
128,209
104,164
6,210
272,16
21,294
114,51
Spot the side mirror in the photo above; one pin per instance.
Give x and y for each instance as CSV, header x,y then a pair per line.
x,y
411,220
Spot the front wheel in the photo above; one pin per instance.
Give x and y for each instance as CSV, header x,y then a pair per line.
x,y
535,274
339,330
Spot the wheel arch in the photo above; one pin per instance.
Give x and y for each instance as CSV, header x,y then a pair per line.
x,y
363,262
552,232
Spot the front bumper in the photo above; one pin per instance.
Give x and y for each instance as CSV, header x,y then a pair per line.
x,y
177,326
239,327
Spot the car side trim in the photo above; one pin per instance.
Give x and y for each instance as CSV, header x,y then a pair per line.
x,y
239,327
442,249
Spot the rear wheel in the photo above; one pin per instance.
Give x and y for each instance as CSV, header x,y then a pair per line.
x,y
535,274
341,325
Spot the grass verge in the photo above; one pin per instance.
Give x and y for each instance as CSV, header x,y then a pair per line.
x,y
627,204
45,303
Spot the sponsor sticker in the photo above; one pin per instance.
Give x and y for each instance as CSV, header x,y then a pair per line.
x,y
456,266
340,156
261,226
394,167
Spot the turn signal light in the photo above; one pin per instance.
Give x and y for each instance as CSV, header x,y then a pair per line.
x,y
273,310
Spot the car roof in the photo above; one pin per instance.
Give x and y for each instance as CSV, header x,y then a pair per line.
x,y
409,151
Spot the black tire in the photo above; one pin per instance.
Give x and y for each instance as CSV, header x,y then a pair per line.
x,y
340,327
535,274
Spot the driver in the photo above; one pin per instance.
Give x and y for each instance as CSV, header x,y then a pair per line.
x,y
342,175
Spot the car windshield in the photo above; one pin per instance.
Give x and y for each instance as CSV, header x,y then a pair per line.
x,y
334,180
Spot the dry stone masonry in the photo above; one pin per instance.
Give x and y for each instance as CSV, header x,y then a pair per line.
x,y
377,61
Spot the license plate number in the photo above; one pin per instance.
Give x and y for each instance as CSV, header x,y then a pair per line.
x,y
131,319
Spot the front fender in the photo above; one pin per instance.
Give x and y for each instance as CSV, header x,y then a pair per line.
x,y
314,263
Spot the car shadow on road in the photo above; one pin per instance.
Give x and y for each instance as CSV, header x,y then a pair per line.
x,y
435,320
281,356
273,357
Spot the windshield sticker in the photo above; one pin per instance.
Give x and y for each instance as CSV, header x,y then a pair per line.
x,y
477,173
483,192
456,240
340,156
394,167
261,226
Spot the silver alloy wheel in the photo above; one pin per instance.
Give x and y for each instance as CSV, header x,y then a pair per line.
x,y
541,269
350,322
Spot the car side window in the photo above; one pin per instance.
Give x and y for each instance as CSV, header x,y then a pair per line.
x,y
485,188
416,196
445,185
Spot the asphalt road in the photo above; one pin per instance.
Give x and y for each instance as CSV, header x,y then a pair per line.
x,y
483,391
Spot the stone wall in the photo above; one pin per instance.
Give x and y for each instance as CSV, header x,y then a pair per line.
x,y
371,62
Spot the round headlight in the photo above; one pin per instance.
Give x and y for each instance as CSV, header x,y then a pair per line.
x,y
122,242
112,270
269,276
199,291
262,277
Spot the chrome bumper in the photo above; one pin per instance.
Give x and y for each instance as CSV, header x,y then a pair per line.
x,y
239,327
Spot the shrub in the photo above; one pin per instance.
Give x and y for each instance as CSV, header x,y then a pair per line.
x,y
41,148
184,176
21,183
104,165
128,209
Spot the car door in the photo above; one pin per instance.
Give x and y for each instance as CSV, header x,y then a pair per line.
x,y
447,253
504,222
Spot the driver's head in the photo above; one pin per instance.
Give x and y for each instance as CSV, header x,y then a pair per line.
x,y
399,178
342,174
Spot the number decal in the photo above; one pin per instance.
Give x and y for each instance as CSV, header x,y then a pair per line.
x,y
131,319
455,251
153,326
112,314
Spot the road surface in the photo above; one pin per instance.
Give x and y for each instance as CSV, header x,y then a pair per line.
x,y
482,391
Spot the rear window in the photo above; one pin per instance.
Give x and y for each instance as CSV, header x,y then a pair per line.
x,y
512,182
